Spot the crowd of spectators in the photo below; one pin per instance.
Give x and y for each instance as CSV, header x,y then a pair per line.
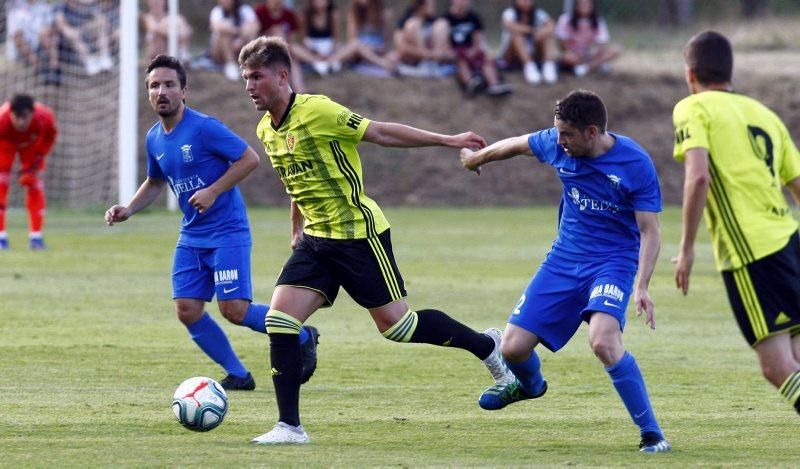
x,y
424,39
47,35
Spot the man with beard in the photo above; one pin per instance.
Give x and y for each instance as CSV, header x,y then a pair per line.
x,y
607,231
202,161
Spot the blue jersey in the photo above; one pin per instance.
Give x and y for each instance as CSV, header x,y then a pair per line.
x,y
193,156
600,195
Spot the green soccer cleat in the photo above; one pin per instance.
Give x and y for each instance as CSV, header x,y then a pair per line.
x,y
501,395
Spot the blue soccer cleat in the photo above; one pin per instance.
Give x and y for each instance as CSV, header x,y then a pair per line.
x,y
37,244
308,353
3,244
501,395
653,442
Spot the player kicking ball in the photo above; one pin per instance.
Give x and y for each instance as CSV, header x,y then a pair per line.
x,y
608,229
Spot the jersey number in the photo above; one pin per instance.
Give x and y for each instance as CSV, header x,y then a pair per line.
x,y
764,152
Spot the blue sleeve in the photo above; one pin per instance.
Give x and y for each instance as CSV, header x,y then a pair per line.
x,y
222,141
647,195
153,169
543,145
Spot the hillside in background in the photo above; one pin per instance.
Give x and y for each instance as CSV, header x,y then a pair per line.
x,y
639,95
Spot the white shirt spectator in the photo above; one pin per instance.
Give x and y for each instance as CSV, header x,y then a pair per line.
x,y
540,17
246,15
28,18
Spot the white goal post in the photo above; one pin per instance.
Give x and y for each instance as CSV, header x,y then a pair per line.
x,y
127,142
129,84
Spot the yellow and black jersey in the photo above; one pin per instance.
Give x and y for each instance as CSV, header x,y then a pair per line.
x,y
313,149
751,156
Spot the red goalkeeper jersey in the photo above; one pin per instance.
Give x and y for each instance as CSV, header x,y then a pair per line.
x,y
37,140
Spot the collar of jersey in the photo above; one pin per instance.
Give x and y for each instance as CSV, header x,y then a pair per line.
x,y
286,113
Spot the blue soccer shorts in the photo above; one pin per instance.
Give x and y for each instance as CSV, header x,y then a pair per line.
x,y
565,293
201,272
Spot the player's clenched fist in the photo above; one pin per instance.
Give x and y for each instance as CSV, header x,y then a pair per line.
x,y
469,161
117,213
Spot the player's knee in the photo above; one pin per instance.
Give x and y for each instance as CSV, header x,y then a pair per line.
x,y
515,349
233,311
31,182
188,314
606,350
775,372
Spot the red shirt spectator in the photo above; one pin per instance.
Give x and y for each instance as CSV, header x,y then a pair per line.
x,y
285,20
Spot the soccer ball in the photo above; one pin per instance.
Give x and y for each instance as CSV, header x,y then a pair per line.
x,y
200,404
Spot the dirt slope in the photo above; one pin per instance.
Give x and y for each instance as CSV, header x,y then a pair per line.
x,y
639,104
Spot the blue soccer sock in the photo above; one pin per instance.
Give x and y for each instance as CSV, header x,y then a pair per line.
x,y
628,380
255,317
529,374
304,335
212,340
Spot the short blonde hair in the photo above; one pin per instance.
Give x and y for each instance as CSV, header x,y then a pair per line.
x,y
265,51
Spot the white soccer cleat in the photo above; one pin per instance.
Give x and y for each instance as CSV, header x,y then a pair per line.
x,y
494,362
283,434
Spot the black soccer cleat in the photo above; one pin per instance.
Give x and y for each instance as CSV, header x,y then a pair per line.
x,y
308,354
235,383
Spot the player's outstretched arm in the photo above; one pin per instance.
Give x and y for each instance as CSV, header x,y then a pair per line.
x,y
203,199
390,134
695,192
147,193
502,150
649,246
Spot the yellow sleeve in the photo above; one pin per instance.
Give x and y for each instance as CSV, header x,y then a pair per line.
x,y
336,122
691,127
790,163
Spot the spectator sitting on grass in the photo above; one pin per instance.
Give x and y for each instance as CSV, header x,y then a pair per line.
x,y
584,40
155,24
83,35
320,27
475,68
31,39
418,49
528,37
367,35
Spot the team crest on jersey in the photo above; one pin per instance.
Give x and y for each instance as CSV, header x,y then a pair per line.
x,y
615,180
187,153
290,142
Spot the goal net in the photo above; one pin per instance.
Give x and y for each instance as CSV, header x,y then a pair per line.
x,y
66,55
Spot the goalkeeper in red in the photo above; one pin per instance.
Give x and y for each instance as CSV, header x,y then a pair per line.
x,y
27,128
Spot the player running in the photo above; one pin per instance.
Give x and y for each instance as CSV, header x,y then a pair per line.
x,y
339,235
741,151
608,229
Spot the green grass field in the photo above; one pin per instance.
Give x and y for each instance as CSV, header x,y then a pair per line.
x,y
91,352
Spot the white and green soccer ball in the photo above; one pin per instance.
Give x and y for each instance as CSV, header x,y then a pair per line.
x,y
200,404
